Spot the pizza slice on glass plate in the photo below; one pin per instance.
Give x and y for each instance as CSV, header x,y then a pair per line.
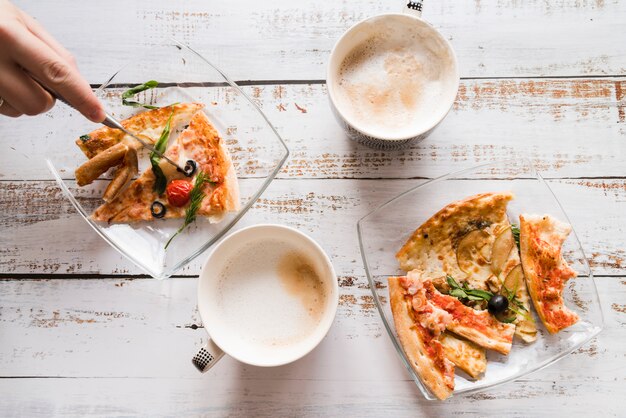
x,y
472,241
541,241
421,315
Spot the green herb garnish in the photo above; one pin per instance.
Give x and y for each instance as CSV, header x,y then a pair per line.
x,y
195,199
464,292
84,137
515,231
160,181
138,89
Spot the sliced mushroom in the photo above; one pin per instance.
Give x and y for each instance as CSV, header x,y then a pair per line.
x,y
98,165
500,250
123,176
470,251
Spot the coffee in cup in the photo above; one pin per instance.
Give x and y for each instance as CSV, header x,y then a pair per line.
x,y
391,80
267,296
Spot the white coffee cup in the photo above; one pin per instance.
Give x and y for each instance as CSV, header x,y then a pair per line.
x,y
428,102
255,307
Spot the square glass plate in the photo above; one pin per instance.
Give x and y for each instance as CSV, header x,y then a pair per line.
x,y
386,229
184,75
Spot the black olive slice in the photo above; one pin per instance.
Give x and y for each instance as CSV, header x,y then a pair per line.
x,y
190,168
158,209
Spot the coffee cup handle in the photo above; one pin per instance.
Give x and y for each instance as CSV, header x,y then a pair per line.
x,y
413,7
207,356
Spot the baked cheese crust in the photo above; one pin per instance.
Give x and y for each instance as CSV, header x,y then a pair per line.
x,y
465,355
546,272
148,125
200,142
432,248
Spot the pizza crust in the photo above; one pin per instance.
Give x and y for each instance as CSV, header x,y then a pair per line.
x,y
148,125
465,355
437,383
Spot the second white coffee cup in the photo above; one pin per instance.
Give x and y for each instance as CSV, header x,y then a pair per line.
x,y
267,296
392,79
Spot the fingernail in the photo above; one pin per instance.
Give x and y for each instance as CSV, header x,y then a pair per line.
x,y
97,115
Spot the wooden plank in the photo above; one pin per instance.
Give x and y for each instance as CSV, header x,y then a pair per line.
x,y
213,397
567,127
41,233
283,40
95,332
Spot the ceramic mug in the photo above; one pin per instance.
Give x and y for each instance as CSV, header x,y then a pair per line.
x,y
258,318
359,34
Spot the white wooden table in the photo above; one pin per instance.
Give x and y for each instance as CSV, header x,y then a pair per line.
x,y
82,331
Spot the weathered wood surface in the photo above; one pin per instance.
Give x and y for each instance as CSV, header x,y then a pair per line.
x,y
122,347
286,40
567,127
327,210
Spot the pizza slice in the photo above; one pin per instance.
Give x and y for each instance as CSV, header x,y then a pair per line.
x,y
420,332
506,264
546,272
458,240
477,326
464,354
199,142
148,125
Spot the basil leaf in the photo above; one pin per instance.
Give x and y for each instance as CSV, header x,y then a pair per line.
x,y
451,282
160,181
138,89
85,137
481,294
458,293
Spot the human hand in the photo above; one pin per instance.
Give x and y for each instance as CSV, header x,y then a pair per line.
x,y
28,52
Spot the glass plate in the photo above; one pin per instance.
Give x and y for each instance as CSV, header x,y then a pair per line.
x,y
256,149
384,231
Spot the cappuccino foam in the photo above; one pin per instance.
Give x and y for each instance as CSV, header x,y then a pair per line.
x,y
397,82
271,295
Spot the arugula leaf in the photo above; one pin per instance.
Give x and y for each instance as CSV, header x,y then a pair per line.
x,y
464,292
160,181
195,199
515,230
508,320
138,89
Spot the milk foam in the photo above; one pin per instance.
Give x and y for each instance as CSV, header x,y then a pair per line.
x,y
252,299
398,82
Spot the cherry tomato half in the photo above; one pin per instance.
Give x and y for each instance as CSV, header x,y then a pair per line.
x,y
178,192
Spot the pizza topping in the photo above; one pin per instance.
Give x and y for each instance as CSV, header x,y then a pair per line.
x,y
158,209
497,304
464,292
160,181
190,168
178,192
138,89
196,196
515,231
84,137
500,250
472,253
